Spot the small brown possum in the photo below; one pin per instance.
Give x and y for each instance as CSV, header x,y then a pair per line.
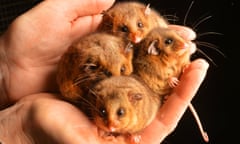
x,y
124,105
131,20
159,59
94,57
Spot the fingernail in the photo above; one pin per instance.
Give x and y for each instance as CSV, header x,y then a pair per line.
x,y
202,63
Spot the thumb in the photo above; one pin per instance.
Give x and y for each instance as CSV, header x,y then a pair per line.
x,y
85,15
85,25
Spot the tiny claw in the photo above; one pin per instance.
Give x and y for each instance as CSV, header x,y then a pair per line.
x,y
135,139
173,82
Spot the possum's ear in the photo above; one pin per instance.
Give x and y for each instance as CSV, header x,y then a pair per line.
x,y
134,97
147,10
152,49
107,21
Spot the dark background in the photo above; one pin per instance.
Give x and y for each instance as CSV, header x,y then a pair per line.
x,y
214,101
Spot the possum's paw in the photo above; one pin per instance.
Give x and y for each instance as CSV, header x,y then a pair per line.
x,y
173,82
135,138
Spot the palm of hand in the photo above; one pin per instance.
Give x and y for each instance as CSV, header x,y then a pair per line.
x,y
40,37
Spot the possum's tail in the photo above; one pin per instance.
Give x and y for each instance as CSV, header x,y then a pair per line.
x,y
204,134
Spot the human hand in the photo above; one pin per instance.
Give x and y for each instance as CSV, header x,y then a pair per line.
x,y
42,118
36,118
35,41
176,104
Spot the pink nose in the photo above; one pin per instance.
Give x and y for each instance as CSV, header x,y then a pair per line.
x,y
113,125
112,129
185,45
136,39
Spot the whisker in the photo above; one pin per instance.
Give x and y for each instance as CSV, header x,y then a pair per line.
x,y
203,53
107,24
208,33
172,18
89,105
79,80
93,93
200,22
212,46
187,13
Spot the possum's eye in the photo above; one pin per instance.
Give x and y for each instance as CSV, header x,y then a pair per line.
x,y
93,66
140,24
120,112
102,112
90,67
124,28
123,68
107,73
168,41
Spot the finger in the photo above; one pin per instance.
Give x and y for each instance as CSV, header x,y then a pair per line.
x,y
191,79
176,104
83,16
62,122
85,25
80,7
184,31
179,100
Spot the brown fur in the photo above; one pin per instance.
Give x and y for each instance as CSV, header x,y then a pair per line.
x,y
160,57
158,63
125,105
91,59
132,20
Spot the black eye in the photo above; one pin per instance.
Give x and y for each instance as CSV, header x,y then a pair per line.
x,y
140,24
121,112
123,68
124,29
90,64
168,41
90,67
102,112
107,73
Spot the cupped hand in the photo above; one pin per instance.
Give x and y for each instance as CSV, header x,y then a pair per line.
x,y
173,109
43,118
35,41
33,45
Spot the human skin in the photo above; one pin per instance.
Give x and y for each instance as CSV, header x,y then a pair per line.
x,y
30,50
43,118
40,37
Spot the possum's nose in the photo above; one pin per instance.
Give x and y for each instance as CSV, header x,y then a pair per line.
x,y
181,45
112,129
135,38
113,125
185,45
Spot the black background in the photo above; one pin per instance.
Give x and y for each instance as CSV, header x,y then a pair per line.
x,y
214,101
